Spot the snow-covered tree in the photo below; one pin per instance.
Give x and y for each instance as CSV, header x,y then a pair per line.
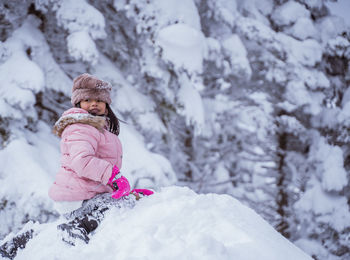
x,y
243,97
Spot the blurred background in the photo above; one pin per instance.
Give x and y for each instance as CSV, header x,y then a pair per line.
x,y
242,97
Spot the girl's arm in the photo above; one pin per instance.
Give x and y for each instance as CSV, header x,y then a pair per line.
x,y
81,142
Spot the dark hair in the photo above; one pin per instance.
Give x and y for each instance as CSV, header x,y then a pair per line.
x,y
112,119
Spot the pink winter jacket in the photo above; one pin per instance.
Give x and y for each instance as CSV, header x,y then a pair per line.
x,y
88,153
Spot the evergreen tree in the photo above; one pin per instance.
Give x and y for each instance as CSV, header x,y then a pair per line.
x,y
248,98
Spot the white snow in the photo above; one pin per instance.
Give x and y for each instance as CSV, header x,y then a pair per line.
x,y
298,95
227,9
21,77
257,9
129,99
340,8
303,29
77,16
183,46
237,54
334,176
289,13
180,11
174,223
307,52
29,36
338,46
82,47
346,100
313,248
85,24
313,79
327,209
329,27
190,99
27,168
149,169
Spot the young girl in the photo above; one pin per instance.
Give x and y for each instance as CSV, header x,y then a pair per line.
x,y
88,182
91,158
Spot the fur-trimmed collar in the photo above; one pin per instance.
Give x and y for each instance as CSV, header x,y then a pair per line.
x,y
99,122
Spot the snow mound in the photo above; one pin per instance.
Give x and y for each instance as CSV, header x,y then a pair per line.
x,y
183,46
289,13
175,223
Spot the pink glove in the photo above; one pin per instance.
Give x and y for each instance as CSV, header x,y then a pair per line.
x,y
119,183
123,188
144,192
115,175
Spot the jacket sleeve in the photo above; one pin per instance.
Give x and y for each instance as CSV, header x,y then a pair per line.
x,y
81,142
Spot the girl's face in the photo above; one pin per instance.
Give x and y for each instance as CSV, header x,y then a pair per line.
x,y
94,107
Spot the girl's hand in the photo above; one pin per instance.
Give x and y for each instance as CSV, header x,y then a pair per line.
x,y
115,175
121,187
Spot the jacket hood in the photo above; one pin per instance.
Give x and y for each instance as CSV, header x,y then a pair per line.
x,y
78,115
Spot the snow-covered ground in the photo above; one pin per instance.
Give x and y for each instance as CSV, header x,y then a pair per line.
x,y
174,223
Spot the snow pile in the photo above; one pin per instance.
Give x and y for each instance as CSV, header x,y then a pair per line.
x,y
27,170
82,47
175,223
289,13
303,29
196,82
326,209
341,9
191,101
237,54
183,11
182,42
183,46
27,69
85,24
21,77
141,167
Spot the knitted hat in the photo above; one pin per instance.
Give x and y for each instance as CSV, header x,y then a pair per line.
x,y
87,86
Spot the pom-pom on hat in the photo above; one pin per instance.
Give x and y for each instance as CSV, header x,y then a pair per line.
x,y
86,86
